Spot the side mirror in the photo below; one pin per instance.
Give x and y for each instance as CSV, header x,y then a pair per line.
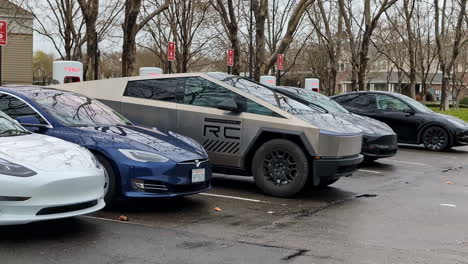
x,y
29,121
409,111
229,105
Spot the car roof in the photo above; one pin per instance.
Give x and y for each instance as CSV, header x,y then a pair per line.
x,y
365,92
27,90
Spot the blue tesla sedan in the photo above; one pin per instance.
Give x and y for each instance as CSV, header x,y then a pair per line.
x,y
138,161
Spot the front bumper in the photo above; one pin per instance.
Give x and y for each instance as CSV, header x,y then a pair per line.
x,y
48,196
164,180
380,146
461,138
326,169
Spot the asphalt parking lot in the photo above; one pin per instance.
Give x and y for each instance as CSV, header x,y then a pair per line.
x,y
411,208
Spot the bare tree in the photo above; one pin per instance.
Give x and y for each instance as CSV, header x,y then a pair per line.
x,y
131,27
187,23
329,29
61,22
90,11
442,34
360,41
99,18
263,62
229,19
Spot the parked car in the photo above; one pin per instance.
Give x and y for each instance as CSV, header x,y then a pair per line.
x,y
44,178
379,140
245,127
413,122
139,162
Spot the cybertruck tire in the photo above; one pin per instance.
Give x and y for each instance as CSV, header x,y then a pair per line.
x,y
280,168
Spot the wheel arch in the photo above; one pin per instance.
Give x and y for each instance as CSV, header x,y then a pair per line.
x,y
114,165
265,135
429,125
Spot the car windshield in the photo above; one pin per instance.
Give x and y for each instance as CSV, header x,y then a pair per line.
x,y
76,110
415,104
9,127
285,103
316,99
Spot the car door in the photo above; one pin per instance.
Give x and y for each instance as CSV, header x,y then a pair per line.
x,y
399,116
198,117
152,102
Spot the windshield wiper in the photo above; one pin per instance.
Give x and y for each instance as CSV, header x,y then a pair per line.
x,y
318,106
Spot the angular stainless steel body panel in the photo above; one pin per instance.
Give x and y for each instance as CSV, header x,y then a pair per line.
x,y
226,136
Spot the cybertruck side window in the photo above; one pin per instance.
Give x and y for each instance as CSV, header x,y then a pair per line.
x,y
201,92
14,108
155,89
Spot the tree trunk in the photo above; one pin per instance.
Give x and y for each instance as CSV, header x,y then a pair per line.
x,y
131,28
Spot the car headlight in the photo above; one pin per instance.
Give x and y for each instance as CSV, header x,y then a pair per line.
x,y
143,156
12,169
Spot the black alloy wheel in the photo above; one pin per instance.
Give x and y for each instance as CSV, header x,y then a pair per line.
x,y
280,168
435,138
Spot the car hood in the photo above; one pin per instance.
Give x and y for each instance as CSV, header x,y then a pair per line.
x,y
44,153
166,143
454,120
369,126
330,122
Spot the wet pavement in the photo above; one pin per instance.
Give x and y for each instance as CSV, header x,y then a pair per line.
x,y
411,208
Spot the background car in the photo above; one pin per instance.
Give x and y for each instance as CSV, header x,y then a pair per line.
x,y
44,178
413,122
138,162
246,128
379,140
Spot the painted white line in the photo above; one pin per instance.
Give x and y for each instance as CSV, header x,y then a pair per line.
x,y
427,154
234,197
448,205
376,172
407,162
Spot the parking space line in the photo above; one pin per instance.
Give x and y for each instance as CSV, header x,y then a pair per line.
x,y
428,154
407,162
234,197
376,172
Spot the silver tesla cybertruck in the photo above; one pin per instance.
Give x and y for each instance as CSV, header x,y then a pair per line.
x,y
246,128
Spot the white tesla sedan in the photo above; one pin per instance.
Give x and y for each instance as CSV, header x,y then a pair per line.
x,y
44,178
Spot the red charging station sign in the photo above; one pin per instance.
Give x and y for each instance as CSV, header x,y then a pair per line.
x,y
3,33
280,62
171,51
230,57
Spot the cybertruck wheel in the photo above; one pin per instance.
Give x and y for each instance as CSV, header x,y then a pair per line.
x,y
280,168
436,138
110,182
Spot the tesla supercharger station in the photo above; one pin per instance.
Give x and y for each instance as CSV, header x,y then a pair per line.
x,y
268,80
68,71
150,71
312,84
